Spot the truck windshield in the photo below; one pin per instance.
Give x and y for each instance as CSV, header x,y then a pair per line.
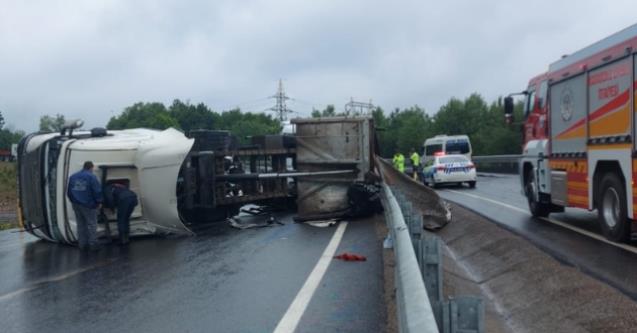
x,y
457,147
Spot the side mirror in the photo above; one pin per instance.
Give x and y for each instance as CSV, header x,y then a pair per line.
x,y
508,109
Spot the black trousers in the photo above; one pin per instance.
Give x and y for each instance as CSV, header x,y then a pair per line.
x,y
125,208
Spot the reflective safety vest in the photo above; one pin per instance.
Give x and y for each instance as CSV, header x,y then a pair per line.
x,y
399,162
415,159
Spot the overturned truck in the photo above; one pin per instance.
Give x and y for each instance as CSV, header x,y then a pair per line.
x,y
206,176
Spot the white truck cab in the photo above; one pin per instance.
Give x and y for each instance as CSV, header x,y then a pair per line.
x,y
148,161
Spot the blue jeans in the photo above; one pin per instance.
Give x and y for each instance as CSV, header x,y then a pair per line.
x,y
86,220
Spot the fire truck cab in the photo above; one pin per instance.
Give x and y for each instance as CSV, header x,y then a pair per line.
x,y
579,135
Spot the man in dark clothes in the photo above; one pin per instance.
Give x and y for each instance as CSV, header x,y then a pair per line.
x,y
85,194
119,196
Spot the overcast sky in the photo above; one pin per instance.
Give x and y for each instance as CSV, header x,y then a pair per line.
x,y
91,59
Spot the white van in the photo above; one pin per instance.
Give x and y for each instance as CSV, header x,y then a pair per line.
x,y
445,145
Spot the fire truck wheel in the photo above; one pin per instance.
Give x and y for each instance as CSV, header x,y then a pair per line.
x,y
538,209
612,208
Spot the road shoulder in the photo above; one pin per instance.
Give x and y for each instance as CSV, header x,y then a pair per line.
x,y
531,290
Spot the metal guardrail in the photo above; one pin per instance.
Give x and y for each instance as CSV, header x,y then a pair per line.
x,y
418,275
414,308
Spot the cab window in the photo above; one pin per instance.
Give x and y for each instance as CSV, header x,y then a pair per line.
x,y
530,103
544,88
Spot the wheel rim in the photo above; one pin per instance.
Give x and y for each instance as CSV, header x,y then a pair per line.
x,y
611,209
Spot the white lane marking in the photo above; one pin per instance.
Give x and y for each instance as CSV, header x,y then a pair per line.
x,y
292,316
492,201
556,222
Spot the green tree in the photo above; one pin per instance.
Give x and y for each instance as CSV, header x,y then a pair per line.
x,y
9,137
495,137
461,117
483,123
143,115
1,120
52,123
329,111
244,125
187,117
192,117
410,127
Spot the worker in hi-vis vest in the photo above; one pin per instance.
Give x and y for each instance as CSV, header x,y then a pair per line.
x,y
399,162
415,163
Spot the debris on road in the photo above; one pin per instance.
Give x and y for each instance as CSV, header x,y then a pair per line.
x,y
350,257
251,222
322,224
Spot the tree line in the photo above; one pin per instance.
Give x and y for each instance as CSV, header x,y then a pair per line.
x,y
187,117
8,136
398,130
407,129
404,129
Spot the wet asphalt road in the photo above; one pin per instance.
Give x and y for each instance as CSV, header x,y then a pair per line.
x,y
498,197
223,280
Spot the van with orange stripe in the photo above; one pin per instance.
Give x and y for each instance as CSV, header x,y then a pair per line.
x,y
579,134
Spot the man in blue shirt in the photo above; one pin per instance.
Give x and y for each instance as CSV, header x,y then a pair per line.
x,y
85,193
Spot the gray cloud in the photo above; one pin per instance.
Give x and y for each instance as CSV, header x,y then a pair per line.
x,y
90,59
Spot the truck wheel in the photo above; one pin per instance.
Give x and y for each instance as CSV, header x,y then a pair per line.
x,y
472,184
612,210
538,209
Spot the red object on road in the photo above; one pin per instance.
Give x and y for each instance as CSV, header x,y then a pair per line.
x,y
350,257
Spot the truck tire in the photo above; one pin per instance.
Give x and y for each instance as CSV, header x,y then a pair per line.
x,y
611,208
538,209
472,184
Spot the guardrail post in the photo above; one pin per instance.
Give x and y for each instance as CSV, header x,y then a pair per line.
x,y
416,225
441,311
466,314
431,266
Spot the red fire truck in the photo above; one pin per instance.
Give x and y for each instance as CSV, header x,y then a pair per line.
x,y
579,135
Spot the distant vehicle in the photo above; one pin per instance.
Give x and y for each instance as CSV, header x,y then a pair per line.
x,y
446,145
449,169
579,135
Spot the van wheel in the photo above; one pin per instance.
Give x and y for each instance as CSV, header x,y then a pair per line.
x,y
612,210
538,209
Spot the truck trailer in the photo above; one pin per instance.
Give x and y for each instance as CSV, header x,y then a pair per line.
x,y
579,125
